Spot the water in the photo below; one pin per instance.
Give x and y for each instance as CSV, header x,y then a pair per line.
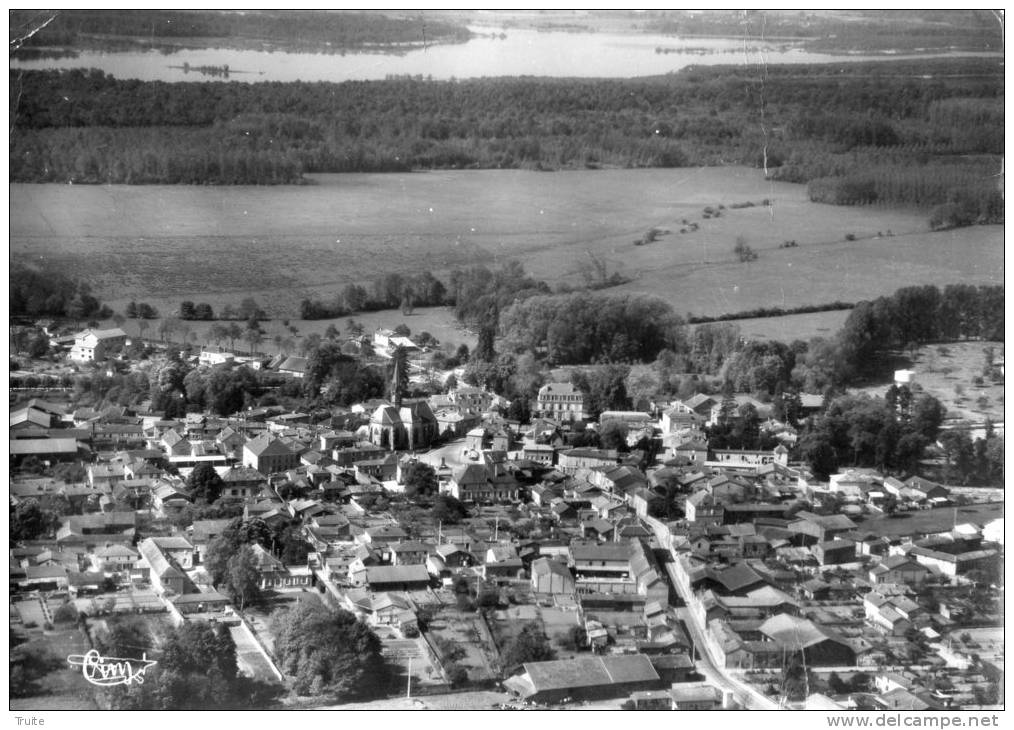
x,y
521,53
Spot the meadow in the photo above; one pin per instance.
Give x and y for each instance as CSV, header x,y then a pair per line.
x,y
163,244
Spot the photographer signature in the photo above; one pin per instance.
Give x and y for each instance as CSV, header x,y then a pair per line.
x,y
110,671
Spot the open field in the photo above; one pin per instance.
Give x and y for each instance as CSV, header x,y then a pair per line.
x,y
946,372
281,244
931,521
792,326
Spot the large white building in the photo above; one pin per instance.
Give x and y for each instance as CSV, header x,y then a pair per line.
x,y
97,345
560,401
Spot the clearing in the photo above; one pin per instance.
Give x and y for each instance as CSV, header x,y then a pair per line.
x,y
163,244
948,371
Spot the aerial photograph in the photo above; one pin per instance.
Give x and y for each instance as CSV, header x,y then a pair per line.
x,y
485,360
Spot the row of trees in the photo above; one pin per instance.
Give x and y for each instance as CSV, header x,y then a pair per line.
x,y
914,315
321,31
390,291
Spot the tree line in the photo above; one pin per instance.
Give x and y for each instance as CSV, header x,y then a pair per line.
x,y
321,31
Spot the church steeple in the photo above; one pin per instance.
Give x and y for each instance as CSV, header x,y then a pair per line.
x,y
396,381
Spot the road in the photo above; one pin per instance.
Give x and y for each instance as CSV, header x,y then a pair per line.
x,y
708,664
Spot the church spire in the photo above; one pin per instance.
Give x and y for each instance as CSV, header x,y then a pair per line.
x,y
396,381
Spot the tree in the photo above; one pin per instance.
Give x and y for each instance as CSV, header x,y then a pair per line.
x,y
448,509
187,310
613,435
329,652
457,675
420,480
743,251
530,645
204,483
244,578
28,521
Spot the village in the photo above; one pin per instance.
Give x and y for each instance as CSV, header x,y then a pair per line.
x,y
495,557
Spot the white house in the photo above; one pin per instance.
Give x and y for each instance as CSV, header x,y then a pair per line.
x,y
97,345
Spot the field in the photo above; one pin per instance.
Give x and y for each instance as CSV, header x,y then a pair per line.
x,y
792,326
931,521
946,372
163,244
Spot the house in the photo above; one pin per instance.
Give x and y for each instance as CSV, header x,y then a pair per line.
x,y
397,577
169,495
691,452
202,532
551,576
97,345
702,508
113,558
453,423
269,455
177,549
44,449
560,401
571,460
811,528
275,574
163,575
900,569
750,458
834,552
474,483
410,552
695,697
295,367
242,482
213,355
206,602
584,678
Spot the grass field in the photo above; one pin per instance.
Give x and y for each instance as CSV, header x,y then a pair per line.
x,y
931,521
793,326
163,244
63,688
946,372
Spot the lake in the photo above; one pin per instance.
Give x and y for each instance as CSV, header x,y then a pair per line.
x,y
520,53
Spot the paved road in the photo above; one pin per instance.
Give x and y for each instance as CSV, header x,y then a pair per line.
x,y
708,665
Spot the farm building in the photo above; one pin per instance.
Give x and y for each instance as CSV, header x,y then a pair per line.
x,y
551,576
586,677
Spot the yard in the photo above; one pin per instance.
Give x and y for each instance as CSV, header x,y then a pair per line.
x,y
461,631
63,687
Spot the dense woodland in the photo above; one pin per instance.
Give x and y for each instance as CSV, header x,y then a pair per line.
x,y
319,31
927,133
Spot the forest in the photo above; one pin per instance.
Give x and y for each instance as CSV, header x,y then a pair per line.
x,y
924,134
319,31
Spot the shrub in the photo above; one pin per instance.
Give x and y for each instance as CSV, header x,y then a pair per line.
x,y
66,613
457,675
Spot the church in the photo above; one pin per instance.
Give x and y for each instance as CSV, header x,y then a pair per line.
x,y
403,426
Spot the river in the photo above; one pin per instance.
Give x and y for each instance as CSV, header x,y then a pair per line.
x,y
515,53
